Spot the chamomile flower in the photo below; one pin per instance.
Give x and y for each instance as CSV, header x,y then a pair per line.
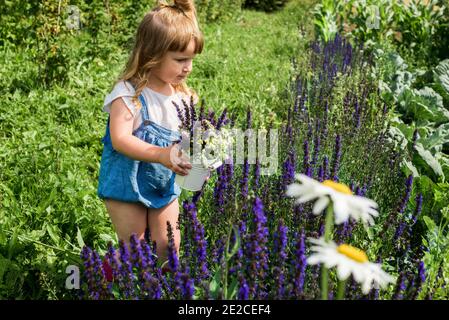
x,y
345,204
349,260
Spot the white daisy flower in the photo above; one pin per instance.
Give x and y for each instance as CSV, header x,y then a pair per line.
x,y
349,260
346,204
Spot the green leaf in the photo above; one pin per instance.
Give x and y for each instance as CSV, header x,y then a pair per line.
x,y
426,104
437,138
53,232
214,285
79,238
410,168
236,246
4,263
441,77
429,159
232,291
429,223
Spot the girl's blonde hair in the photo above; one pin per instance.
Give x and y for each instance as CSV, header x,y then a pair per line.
x,y
165,28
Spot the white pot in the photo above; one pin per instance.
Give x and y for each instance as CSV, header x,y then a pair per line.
x,y
195,179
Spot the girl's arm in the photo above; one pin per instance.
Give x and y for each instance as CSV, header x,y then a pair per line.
x,y
121,127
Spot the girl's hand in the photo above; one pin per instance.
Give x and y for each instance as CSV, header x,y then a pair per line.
x,y
173,158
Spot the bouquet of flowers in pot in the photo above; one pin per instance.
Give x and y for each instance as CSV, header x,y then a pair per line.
x,y
205,142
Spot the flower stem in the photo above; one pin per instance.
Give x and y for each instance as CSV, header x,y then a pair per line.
x,y
341,289
329,223
328,226
324,283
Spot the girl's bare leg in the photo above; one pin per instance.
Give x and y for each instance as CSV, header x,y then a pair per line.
x,y
127,218
157,220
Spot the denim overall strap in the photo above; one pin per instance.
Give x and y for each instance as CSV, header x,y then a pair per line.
x,y
145,115
153,127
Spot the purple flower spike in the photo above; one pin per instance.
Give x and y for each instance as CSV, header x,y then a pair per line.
x,y
243,293
336,159
305,163
300,265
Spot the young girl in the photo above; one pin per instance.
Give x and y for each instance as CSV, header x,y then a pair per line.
x,y
140,156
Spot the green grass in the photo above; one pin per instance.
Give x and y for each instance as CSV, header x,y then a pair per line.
x,y
50,144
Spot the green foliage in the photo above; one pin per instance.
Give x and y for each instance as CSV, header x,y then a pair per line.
x,y
265,5
436,258
415,27
421,109
441,79
218,11
325,19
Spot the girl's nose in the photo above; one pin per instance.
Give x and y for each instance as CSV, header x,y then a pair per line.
x,y
188,66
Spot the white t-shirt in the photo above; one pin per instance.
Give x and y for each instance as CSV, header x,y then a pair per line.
x,y
161,110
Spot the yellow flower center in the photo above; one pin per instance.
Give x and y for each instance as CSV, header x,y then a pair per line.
x,y
342,188
353,253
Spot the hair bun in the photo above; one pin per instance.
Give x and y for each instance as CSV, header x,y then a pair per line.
x,y
185,5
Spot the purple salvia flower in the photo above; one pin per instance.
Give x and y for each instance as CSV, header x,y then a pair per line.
x,y
400,287
243,293
420,280
298,210
298,95
188,288
126,270
231,186
180,115
257,173
249,119
220,187
89,273
187,114
408,189
192,109
134,251
201,115
258,250
244,181
218,250
197,195
325,168
112,260
320,174
222,119
280,244
211,117
399,231
173,262
418,208
403,202
321,231
300,265
288,174
200,243
105,288
305,163
316,145
151,285
147,258
336,159
280,279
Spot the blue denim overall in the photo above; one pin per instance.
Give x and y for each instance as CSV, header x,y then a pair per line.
x,y
124,179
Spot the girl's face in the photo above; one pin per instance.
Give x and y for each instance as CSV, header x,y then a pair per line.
x,y
175,66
